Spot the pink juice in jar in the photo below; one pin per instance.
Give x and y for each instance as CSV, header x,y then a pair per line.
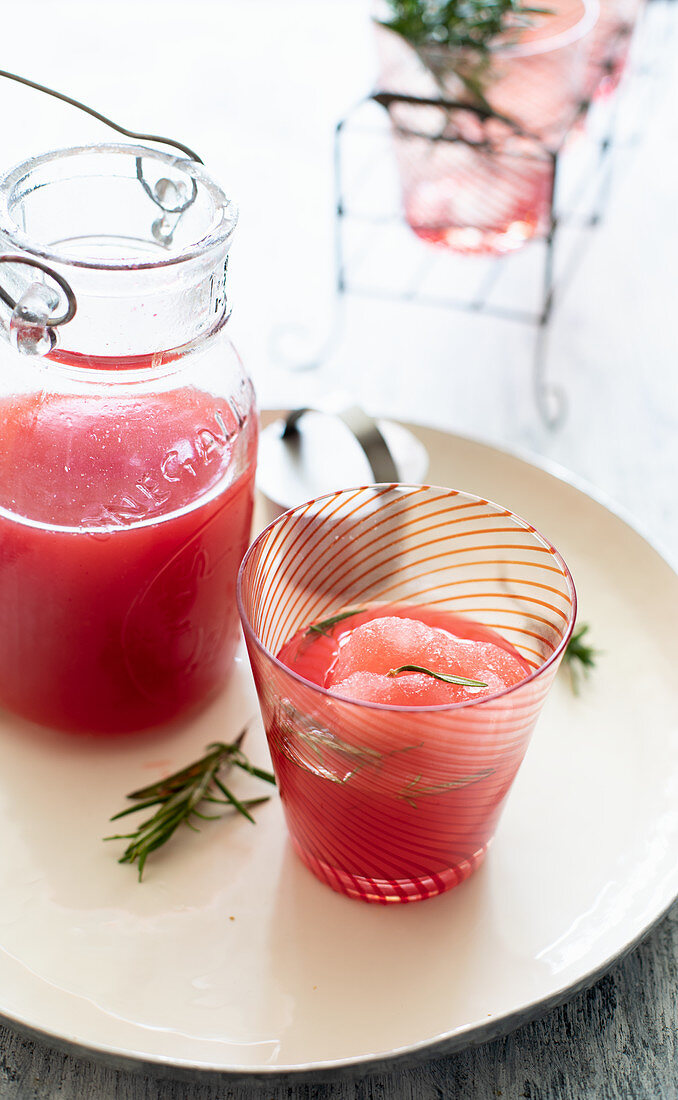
x,y
379,803
122,526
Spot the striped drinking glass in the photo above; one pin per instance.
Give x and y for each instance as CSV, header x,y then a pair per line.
x,y
399,803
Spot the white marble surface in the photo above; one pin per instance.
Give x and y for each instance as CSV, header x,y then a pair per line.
x,y
256,88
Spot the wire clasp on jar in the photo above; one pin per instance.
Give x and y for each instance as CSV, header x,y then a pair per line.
x,y
34,315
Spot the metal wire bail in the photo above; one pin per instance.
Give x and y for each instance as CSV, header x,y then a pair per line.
x,y
32,321
32,324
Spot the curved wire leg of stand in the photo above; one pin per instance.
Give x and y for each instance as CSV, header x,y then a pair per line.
x,y
551,400
291,346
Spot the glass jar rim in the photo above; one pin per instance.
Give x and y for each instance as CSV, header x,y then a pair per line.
x,y
218,236
252,637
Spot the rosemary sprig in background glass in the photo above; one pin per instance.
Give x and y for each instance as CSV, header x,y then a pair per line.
x,y
325,625
458,24
184,795
459,36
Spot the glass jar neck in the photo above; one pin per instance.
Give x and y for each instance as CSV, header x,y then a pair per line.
x,y
139,235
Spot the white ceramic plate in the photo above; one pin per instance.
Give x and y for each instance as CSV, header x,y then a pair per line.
x,y
231,957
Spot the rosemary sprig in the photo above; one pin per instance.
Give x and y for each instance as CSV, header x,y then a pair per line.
x,y
461,680
180,798
418,787
579,657
459,36
459,24
325,625
319,740
293,729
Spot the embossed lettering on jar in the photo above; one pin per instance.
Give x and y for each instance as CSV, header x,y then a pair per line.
x,y
127,450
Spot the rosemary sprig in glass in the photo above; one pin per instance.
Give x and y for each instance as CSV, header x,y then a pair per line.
x,y
417,787
459,24
325,625
181,797
459,36
463,681
579,657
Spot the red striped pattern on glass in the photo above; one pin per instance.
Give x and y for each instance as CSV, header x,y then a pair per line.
x,y
399,803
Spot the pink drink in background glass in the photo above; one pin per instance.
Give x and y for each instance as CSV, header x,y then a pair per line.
x,y
610,45
390,802
478,184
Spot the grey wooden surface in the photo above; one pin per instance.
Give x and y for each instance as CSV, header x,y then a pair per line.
x,y
613,1041
614,349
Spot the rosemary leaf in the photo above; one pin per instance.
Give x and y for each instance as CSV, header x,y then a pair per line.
x,y
472,25
459,36
180,797
462,681
417,787
230,797
135,809
241,761
325,625
579,657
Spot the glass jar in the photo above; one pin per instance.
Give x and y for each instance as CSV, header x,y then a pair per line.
x,y
128,440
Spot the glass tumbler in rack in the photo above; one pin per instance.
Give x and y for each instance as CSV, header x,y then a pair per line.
x,y
396,803
478,177
128,438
